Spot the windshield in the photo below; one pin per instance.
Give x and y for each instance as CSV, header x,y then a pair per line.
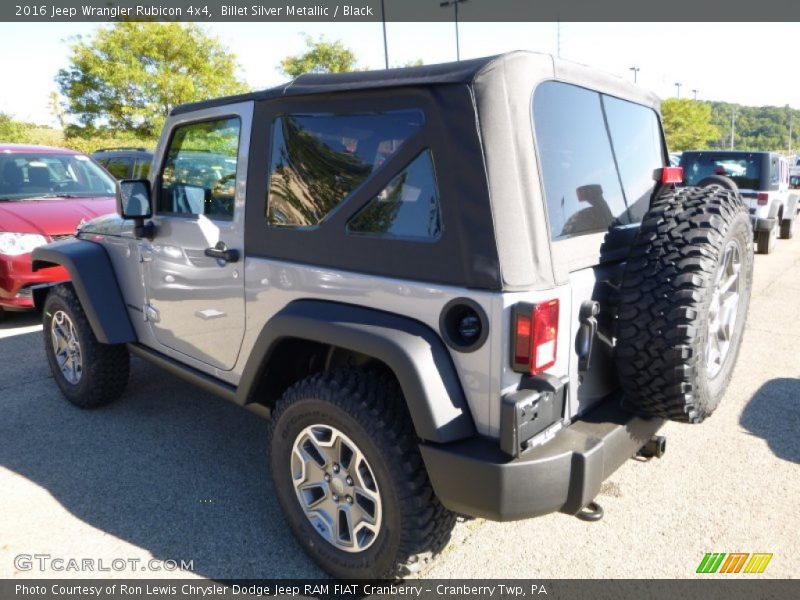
x,y
744,169
41,175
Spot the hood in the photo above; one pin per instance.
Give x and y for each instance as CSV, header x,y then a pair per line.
x,y
52,216
110,224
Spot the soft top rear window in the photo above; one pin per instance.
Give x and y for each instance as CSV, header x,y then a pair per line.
x,y
597,155
744,168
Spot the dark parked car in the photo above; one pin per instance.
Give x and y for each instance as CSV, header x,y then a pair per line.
x,y
125,163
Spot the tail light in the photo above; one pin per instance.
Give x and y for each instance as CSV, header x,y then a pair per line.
x,y
671,175
534,337
763,198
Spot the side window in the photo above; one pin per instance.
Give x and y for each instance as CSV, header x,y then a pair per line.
x,y
408,207
774,174
581,184
319,160
119,167
636,136
141,169
199,172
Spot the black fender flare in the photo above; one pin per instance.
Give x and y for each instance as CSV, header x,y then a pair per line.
x,y
414,352
95,283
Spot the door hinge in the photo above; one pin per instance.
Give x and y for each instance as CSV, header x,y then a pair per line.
x,y
150,314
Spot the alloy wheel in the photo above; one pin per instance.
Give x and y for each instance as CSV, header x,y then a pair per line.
x,y
66,347
336,488
723,311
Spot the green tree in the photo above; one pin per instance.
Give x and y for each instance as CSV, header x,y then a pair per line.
x,y
321,56
128,76
687,124
11,131
756,127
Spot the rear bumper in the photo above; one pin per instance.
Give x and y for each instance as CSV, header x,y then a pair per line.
x,y
16,278
474,477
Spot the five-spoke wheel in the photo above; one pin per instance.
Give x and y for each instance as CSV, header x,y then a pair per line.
x,y
723,310
336,487
66,347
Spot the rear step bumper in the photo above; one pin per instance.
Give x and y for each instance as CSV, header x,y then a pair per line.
x,y
475,478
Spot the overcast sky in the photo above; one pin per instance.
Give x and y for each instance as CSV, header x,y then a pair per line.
x,y
748,63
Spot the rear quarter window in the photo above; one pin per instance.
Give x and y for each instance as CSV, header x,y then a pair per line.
x,y
597,155
318,160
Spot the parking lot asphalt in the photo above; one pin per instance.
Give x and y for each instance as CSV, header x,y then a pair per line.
x,y
170,472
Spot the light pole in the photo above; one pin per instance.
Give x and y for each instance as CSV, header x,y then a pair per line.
x,y
695,94
454,4
385,46
558,39
678,85
635,72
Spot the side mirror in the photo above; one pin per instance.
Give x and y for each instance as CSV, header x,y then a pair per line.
x,y
133,199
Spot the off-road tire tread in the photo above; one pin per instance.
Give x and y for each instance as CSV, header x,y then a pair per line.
x,y
667,279
106,367
375,401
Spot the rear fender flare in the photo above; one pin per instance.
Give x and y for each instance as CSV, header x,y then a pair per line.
x,y
412,350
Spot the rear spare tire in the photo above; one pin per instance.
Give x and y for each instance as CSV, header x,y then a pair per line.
x,y
683,303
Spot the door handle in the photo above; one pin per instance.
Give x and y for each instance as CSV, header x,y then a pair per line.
x,y
222,252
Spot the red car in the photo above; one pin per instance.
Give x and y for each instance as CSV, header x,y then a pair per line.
x,y
44,195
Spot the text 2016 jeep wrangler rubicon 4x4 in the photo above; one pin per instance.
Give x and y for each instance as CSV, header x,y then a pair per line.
x,y
468,288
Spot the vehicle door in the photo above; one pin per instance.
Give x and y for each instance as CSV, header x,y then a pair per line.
x,y
193,267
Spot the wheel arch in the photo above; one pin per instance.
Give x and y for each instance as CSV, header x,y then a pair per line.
x,y
95,284
412,351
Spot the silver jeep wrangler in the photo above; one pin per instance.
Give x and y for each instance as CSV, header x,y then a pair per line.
x,y
470,288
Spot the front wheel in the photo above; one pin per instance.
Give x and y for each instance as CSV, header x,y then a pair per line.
x,y
350,479
88,373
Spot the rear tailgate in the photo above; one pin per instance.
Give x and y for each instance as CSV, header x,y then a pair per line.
x,y
592,371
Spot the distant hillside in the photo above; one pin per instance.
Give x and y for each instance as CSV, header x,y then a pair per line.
x,y
757,127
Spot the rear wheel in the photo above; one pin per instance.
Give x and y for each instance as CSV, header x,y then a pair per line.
x,y
350,479
766,240
684,300
787,228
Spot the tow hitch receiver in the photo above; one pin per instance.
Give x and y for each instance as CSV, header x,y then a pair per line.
x,y
656,446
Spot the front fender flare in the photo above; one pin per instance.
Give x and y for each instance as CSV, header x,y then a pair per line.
x,y
93,278
413,351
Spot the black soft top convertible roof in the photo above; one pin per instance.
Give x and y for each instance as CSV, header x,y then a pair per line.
x,y
478,126
320,83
